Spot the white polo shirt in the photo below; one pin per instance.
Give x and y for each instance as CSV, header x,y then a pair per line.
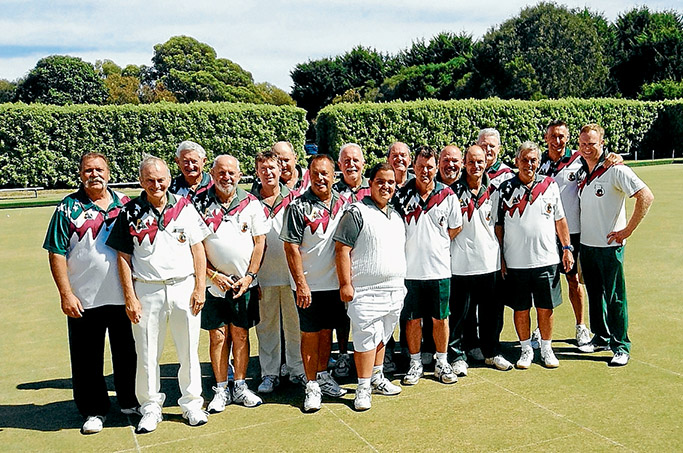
x,y
274,270
79,230
428,245
475,250
602,195
159,242
564,172
310,223
230,244
528,217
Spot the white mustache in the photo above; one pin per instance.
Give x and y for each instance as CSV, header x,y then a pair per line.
x,y
95,179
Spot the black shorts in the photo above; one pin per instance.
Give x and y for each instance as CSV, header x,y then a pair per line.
x,y
427,298
575,241
241,312
539,285
324,313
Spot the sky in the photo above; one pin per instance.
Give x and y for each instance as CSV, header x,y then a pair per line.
x,y
267,38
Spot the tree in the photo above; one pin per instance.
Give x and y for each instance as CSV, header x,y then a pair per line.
x,y
191,71
274,95
315,84
122,89
61,79
433,80
442,48
649,49
547,51
8,91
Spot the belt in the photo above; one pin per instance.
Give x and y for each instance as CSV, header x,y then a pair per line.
x,y
167,282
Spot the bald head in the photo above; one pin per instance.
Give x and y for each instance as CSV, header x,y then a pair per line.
x,y
226,174
450,163
475,163
351,163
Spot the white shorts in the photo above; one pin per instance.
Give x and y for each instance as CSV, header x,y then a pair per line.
x,y
374,315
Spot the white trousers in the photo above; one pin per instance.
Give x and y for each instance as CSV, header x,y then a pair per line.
x,y
277,307
161,306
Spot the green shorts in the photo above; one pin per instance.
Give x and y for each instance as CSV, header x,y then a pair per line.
x,y
427,298
539,285
324,313
221,311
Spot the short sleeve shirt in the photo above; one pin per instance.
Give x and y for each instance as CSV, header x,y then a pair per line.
x,y
351,195
310,223
564,172
499,173
475,250
602,194
180,187
158,242
79,230
428,254
528,217
230,244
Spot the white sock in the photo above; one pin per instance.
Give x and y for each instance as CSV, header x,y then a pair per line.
x,y
583,326
364,382
526,344
547,343
222,385
240,382
416,357
441,357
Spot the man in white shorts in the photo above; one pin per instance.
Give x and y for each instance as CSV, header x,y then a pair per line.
x,y
370,257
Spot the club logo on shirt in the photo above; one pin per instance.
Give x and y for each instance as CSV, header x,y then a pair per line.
x,y
571,176
548,208
182,238
245,227
599,191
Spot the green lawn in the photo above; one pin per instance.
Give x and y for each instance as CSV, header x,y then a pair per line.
x,y
582,406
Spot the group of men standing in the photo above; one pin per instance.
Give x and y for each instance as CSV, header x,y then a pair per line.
x,y
299,256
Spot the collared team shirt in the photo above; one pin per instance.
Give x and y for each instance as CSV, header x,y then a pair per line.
x,y
564,172
428,253
475,250
179,186
231,242
158,242
602,194
528,217
79,230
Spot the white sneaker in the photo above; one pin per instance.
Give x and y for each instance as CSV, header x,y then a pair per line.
x,y
196,417
242,395
149,421
221,398
459,367
343,365
363,399
93,424
329,386
549,359
525,359
268,384
444,373
619,359
536,338
476,354
314,397
583,335
427,358
414,373
383,386
592,346
499,362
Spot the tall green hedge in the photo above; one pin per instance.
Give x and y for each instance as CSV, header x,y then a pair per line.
x,y
629,125
40,145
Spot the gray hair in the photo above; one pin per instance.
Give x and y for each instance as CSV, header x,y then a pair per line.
x,y
229,157
350,145
188,145
398,144
149,160
288,144
487,132
528,146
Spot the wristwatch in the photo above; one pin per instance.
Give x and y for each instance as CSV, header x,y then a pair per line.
x,y
568,247
252,275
